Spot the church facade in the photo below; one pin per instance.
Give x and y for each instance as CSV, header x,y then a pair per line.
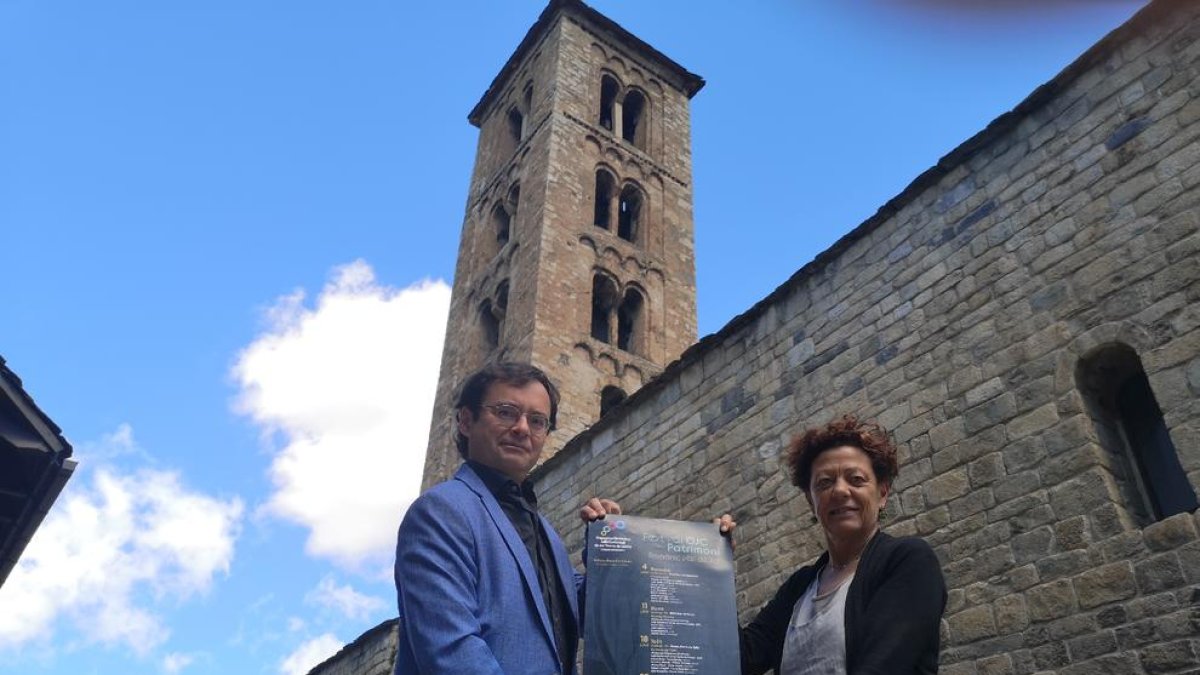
x,y
1025,317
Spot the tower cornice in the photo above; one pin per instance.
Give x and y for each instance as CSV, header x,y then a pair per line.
x,y
685,80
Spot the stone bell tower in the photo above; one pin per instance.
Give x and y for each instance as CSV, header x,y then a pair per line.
x,y
577,244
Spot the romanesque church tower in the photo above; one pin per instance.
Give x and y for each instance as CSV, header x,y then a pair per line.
x,y
577,244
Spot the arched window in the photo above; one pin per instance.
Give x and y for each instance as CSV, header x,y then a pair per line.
x,y
514,198
528,98
1130,426
490,326
610,397
604,196
516,125
604,301
500,225
632,113
630,329
608,97
501,308
629,213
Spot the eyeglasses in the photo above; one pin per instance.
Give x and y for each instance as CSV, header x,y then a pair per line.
x,y
510,415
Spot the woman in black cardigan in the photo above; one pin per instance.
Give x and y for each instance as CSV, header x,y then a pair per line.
x,y
871,603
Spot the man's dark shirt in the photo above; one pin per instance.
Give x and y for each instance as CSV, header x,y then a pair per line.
x,y
520,505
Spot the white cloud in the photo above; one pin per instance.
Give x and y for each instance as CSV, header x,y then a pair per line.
x,y
110,553
344,600
348,387
175,662
309,654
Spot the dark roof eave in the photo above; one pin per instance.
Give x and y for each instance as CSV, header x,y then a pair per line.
x,y
690,82
58,476
12,387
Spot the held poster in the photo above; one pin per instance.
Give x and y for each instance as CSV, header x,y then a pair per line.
x,y
660,599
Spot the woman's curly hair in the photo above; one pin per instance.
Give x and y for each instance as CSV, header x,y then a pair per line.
x,y
845,430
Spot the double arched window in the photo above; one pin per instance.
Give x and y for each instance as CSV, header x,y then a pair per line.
x,y
623,111
491,317
499,229
629,207
624,313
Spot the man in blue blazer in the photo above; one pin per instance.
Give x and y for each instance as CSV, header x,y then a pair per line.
x,y
484,583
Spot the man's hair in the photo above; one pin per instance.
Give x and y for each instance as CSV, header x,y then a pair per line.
x,y
475,387
871,438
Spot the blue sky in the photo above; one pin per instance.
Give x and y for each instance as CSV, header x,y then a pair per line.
x,y
228,229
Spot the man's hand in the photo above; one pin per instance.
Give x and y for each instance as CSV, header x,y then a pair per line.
x,y
596,508
727,525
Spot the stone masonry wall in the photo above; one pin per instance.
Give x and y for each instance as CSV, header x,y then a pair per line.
x,y
373,653
957,317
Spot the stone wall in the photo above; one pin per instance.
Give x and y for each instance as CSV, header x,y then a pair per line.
x,y
958,317
373,653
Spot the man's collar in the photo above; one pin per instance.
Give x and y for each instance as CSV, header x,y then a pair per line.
x,y
491,477
499,483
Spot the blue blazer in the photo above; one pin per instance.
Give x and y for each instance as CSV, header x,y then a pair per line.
x,y
468,591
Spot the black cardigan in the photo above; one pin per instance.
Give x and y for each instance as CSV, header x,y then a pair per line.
x,y
893,611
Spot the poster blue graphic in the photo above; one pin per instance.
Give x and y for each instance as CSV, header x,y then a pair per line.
x,y
660,599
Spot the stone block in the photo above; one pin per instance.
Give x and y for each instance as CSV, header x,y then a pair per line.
x,y
1079,495
1105,584
947,433
1000,664
1065,564
1189,560
1011,487
1032,422
1011,614
996,411
950,485
1087,647
1170,533
1137,634
1159,573
974,502
1051,601
1169,657
1033,545
1051,656
1073,533
971,624
1114,664
986,469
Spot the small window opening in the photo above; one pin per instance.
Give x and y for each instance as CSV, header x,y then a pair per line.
x,y
490,325
501,300
631,118
604,300
629,322
610,397
500,225
608,97
516,125
604,196
629,212
514,198
529,98
1131,429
